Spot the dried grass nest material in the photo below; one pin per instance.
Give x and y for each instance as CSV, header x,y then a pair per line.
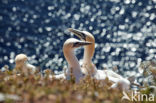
x,y
34,88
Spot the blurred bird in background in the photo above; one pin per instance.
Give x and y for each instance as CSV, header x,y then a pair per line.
x,y
21,61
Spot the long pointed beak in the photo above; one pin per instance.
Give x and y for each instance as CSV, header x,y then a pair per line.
x,y
78,33
81,43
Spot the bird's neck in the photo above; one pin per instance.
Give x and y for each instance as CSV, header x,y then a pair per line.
x,y
87,59
73,63
89,53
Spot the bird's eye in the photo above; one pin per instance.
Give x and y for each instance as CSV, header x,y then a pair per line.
x,y
76,44
83,36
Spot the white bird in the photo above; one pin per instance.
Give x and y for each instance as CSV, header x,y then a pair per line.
x,y
21,61
89,68
73,63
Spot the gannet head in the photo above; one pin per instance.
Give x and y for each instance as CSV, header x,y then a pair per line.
x,y
20,60
88,66
83,35
72,43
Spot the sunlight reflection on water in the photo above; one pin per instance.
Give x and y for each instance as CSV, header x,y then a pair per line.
x,y
125,31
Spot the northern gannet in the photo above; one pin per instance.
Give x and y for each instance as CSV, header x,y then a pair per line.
x,y
89,68
21,61
73,63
